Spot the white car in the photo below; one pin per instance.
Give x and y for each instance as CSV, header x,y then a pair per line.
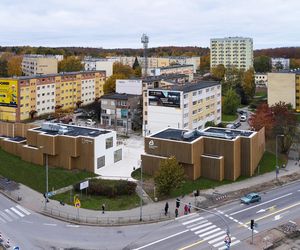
x,y
90,122
243,118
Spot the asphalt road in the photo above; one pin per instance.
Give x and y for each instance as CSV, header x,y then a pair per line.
x,y
203,230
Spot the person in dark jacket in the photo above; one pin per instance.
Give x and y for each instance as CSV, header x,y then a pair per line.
x,y
166,208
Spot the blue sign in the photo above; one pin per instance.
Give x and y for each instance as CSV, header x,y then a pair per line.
x,y
49,194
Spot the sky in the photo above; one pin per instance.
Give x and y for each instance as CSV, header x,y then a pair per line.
x,y
120,23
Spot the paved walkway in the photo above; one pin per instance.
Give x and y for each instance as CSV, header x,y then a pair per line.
x,y
152,211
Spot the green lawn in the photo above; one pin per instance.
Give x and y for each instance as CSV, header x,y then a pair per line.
x,y
33,175
229,118
93,202
136,174
268,163
298,118
261,94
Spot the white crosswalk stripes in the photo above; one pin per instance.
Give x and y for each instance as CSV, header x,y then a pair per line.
x,y
207,231
13,213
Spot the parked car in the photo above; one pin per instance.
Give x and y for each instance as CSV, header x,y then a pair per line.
x,y
90,122
76,111
237,124
243,118
250,198
230,125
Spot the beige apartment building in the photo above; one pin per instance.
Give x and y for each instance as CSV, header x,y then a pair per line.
x,y
183,106
173,69
232,52
39,65
285,87
43,94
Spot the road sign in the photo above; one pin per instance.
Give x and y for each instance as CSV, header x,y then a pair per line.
x,y
49,194
77,203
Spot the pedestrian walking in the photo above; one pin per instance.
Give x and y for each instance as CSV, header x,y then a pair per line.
x,y
176,212
177,202
103,208
190,207
186,209
166,208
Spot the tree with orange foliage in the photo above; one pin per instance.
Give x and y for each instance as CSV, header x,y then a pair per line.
x,y
14,66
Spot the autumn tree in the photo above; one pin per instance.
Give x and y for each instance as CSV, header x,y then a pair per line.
x,y
218,72
70,64
294,63
262,64
3,68
248,86
119,68
262,117
14,66
231,102
284,123
205,63
169,176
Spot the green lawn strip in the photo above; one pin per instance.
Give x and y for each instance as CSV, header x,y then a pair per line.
x,y
33,175
298,117
268,163
136,174
229,118
260,94
122,202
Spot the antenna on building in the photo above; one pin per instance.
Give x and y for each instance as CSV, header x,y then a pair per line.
x,y
145,41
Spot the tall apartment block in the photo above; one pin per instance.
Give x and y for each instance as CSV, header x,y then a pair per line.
x,y
43,93
231,52
285,87
182,106
39,64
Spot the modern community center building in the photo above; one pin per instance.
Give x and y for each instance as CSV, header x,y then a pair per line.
x,y
213,153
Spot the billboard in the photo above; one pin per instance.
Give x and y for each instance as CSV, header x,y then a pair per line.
x,y
164,98
8,93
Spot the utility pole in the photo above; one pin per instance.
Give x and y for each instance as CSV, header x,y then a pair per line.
x,y
141,195
145,41
277,167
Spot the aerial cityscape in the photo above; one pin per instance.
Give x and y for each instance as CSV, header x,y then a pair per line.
x,y
138,125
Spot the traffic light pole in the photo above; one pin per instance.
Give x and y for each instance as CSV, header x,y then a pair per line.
x,y
205,210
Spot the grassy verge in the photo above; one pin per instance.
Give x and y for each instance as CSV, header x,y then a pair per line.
x,y
229,118
268,163
33,175
136,174
95,202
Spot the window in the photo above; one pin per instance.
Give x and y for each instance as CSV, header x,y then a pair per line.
x,y
194,111
185,105
194,102
194,93
200,92
101,162
185,96
118,155
109,142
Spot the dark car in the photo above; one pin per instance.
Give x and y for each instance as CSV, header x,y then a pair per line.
x,y
250,198
237,124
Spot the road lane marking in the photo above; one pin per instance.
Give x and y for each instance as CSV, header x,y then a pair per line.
x,y
2,220
215,235
198,223
17,212
205,229
278,211
216,239
240,211
192,245
11,213
23,209
166,238
49,224
191,221
5,216
210,232
198,227
186,216
70,225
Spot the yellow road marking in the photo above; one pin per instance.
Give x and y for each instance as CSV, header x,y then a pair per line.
x,y
192,245
278,211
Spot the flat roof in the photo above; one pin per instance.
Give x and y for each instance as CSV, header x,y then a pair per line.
x,y
189,86
52,75
177,66
164,77
118,96
192,135
75,131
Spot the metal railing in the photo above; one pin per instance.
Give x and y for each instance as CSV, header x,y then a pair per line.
x,y
104,219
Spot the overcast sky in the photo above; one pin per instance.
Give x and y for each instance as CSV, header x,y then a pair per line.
x,y
120,23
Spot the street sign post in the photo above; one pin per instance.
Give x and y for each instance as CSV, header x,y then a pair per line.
x,y
77,204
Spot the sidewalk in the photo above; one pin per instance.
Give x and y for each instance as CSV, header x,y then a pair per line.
x,y
150,212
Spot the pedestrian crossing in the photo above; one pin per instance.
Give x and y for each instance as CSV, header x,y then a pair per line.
x,y
207,231
12,214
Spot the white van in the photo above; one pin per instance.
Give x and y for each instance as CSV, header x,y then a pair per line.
x,y
90,122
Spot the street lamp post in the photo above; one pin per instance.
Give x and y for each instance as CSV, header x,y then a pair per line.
x,y
141,195
46,167
277,167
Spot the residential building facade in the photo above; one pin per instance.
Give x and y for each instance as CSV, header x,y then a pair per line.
x,y
231,52
280,63
103,64
42,94
213,153
183,106
66,146
39,64
261,79
284,87
174,69
121,111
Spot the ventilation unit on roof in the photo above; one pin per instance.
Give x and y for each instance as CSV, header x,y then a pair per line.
x,y
188,135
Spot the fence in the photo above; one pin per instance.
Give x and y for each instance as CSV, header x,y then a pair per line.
x,y
104,220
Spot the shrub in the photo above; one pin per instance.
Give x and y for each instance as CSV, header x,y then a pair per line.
x,y
109,188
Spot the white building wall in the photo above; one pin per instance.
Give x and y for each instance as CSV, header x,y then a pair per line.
x,y
45,98
87,91
133,87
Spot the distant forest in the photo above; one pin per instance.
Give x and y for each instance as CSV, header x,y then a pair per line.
x,y
287,52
